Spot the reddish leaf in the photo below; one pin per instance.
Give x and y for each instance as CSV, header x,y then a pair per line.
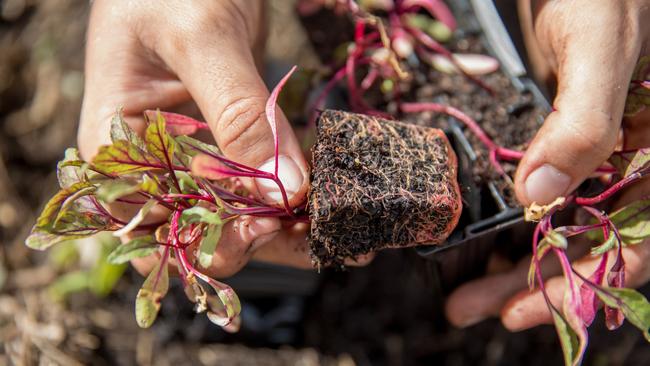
x,y
205,166
270,113
590,301
178,124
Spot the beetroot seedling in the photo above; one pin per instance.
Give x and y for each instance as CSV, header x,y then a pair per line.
x,y
193,180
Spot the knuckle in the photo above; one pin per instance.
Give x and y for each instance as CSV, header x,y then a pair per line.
x,y
241,127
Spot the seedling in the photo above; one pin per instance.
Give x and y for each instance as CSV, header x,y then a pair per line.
x,y
379,184
193,180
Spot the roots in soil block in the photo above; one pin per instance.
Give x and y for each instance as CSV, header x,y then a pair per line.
x,y
378,184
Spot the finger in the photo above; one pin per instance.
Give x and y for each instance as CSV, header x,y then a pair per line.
x,y
528,309
483,298
220,74
120,73
594,70
290,248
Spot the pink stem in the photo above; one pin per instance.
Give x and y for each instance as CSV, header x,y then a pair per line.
x,y
584,201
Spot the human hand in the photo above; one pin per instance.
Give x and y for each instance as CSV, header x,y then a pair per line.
x,y
169,55
592,48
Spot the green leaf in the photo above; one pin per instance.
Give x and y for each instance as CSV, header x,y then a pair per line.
x,y
633,221
556,239
568,339
633,304
225,307
606,246
638,96
61,202
186,182
139,247
68,284
121,131
105,276
112,190
68,170
40,239
158,141
630,162
211,236
124,157
154,288
137,219
191,147
198,214
542,248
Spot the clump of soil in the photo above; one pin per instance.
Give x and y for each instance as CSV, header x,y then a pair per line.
x,y
379,184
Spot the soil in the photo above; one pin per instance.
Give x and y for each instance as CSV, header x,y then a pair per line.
x,y
379,184
511,118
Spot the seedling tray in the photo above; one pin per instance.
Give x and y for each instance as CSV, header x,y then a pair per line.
x,y
488,220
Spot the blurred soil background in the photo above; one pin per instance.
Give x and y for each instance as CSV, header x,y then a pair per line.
x,y
64,307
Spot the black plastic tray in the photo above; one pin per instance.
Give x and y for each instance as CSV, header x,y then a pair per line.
x,y
487,220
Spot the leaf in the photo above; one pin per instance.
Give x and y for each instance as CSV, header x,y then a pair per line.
x,y
154,288
568,339
271,105
40,239
68,170
472,64
137,219
158,141
633,304
638,96
606,246
112,190
542,249
633,221
192,147
58,205
211,236
556,239
437,8
123,158
178,124
187,183
630,162
198,214
225,307
196,293
590,302
205,166
67,284
121,131
139,247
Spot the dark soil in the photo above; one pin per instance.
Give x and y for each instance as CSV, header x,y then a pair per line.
x,y
379,184
511,118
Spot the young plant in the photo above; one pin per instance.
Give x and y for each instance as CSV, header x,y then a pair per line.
x,y
382,44
627,226
198,185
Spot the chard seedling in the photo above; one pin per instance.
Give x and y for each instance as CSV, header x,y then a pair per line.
x,y
198,185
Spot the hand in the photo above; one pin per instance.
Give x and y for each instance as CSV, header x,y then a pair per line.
x,y
592,47
169,55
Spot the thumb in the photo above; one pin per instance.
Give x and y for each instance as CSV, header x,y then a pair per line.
x,y
582,131
222,78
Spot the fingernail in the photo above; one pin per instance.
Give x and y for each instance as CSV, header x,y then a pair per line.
x,y
289,174
545,184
